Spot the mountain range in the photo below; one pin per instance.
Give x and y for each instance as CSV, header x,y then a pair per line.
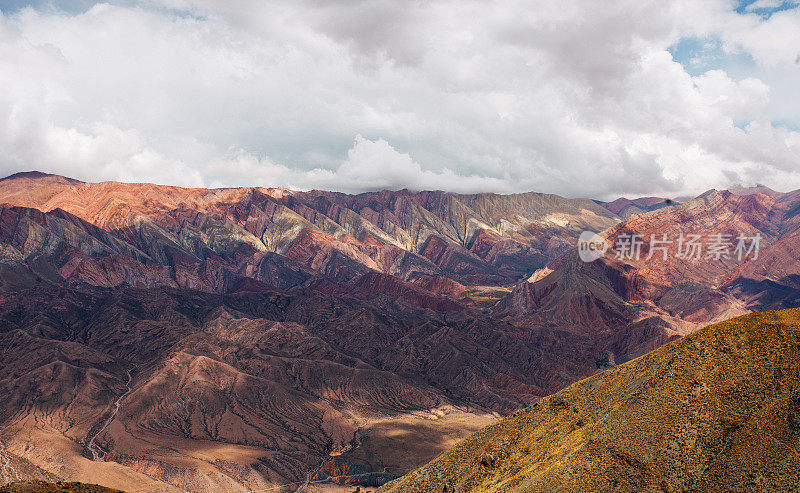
x,y
158,338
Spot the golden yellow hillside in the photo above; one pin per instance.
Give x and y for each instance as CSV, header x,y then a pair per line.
x,y
718,410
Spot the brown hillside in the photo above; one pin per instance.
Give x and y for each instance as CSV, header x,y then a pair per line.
x,y
45,487
718,410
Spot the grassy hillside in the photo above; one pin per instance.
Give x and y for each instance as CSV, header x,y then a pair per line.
x,y
718,410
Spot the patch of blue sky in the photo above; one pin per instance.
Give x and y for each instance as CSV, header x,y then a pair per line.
x,y
69,6
742,123
699,55
765,8
76,7
787,124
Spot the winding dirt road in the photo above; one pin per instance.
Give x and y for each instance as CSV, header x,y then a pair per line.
x,y
99,454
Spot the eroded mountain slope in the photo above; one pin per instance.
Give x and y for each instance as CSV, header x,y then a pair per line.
x,y
391,232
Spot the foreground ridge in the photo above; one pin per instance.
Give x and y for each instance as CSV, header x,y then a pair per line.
x,y
59,487
718,410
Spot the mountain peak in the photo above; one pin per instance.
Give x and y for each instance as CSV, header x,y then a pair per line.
x,y
35,175
758,188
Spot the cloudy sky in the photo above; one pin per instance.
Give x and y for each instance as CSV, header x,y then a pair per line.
x,y
580,98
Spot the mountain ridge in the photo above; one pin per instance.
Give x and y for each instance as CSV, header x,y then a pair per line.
x,y
692,415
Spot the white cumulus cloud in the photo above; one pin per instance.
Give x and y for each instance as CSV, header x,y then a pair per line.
x,y
575,97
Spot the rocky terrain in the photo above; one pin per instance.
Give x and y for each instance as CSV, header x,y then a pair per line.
x,y
158,338
59,487
718,410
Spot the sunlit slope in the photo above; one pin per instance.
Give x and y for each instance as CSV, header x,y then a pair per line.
x,y
718,410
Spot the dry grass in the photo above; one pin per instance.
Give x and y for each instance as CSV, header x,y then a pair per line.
x,y
718,410
400,444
